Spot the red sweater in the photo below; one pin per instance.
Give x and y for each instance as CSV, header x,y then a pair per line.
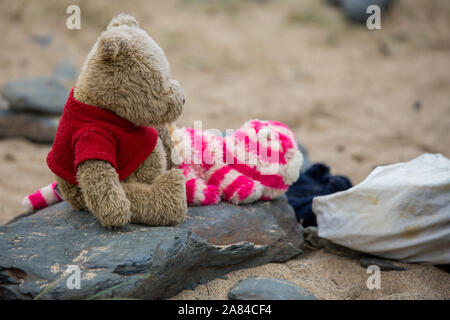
x,y
87,132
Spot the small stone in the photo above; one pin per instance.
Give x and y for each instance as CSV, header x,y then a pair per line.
x,y
400,37
41,95
35,128
384,265
357,157
268,289
9,157
340,148
417,105
43,39
384,48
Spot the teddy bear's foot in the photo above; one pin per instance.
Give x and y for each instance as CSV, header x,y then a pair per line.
x,y
162,203
116,215
111,209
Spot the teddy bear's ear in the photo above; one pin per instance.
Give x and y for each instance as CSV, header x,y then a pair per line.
x,y
123,19
111,47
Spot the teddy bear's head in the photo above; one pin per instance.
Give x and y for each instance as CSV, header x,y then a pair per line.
x,y
127,73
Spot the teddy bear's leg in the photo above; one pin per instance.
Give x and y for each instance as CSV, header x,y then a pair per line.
x,y
71,193
103,193
162,203
157,196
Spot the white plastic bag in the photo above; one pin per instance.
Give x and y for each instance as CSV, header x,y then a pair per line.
x,y
400,211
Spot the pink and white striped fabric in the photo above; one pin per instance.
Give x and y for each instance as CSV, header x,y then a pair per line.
x,y
258,161
42,198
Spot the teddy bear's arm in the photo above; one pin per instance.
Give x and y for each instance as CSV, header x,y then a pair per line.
x,y
103,193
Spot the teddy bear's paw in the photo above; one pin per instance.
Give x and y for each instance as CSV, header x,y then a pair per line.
x,y
115,214
172,186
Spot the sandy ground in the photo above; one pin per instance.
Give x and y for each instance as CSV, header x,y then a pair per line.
x,y
355,98
328,276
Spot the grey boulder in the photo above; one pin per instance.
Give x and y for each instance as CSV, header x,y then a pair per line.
x,y
356,10
268,289
137,261
35,128
306,161
66,69
42,95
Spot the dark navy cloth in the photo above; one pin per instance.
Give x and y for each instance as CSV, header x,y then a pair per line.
x,y
316,181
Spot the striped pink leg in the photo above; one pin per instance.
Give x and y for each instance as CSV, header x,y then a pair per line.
x,y
42,198
197,191
233,186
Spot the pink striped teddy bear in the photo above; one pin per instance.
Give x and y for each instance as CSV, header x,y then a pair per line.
x,y
258,161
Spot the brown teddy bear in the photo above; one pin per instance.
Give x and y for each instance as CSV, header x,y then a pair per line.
x,y
112,151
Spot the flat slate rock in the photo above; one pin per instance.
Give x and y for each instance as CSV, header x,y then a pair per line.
x,y
43,95
36,128
268,289
138,261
